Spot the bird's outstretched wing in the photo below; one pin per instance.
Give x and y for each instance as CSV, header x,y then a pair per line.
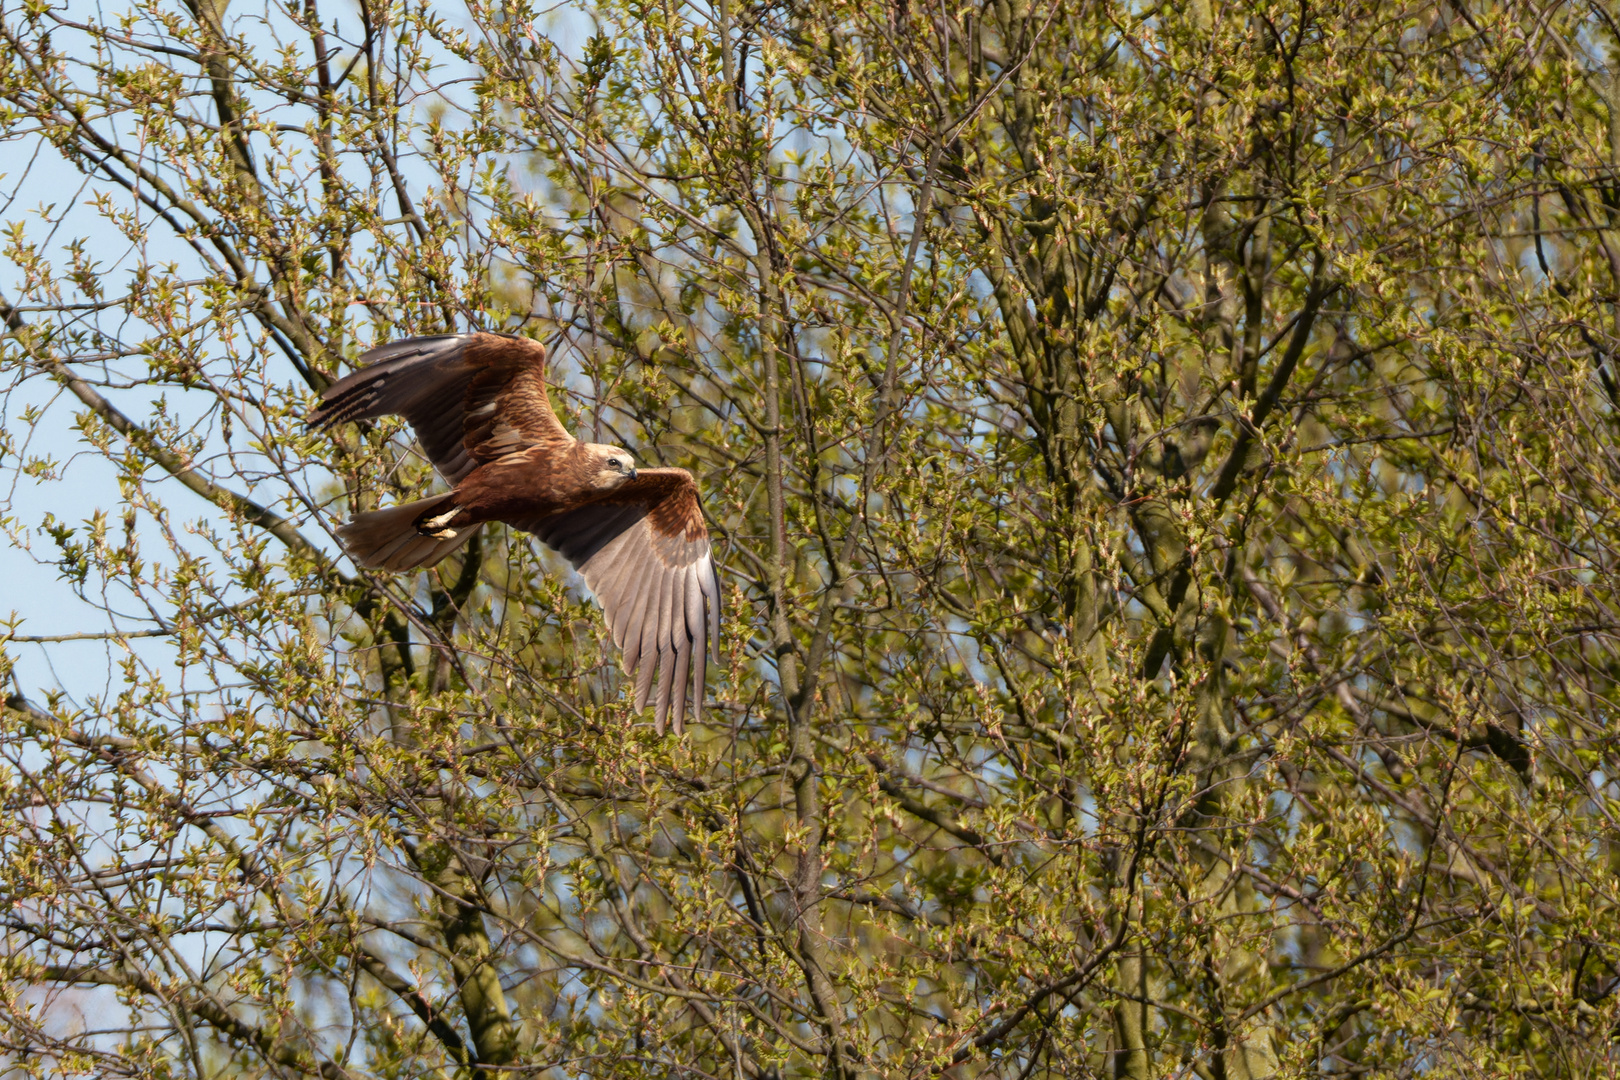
x,y
471,398
644,553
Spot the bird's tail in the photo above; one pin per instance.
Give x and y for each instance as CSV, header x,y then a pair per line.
x,y
389,539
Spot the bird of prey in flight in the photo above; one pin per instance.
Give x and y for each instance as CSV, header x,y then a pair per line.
x,y
478,405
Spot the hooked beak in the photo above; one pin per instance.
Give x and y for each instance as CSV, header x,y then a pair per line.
x,y
632,475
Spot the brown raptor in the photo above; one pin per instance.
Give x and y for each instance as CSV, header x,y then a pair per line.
x,y
479,408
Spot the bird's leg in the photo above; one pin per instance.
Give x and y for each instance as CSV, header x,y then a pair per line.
x,y
438,526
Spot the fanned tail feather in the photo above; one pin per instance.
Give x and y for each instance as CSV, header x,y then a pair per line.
x,y
388,540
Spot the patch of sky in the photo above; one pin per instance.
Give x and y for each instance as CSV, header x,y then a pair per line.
x,y
1291,812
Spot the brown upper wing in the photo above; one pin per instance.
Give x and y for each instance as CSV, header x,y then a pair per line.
x,y
644,552
470,397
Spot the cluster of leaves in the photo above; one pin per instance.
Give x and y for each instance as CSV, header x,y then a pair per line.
x,y
1164,465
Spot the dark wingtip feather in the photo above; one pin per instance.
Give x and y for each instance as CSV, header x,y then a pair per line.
x,y
714,613
644,680
666,681
699,678
353,396
677,682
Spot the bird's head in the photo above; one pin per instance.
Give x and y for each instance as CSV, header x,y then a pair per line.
x,y
614,465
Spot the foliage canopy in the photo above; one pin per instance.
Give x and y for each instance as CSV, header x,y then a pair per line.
x,y
1166,472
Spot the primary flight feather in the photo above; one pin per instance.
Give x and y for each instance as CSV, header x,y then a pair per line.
x,y
479,408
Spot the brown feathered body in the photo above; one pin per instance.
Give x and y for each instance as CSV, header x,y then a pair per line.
x,y
479,407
